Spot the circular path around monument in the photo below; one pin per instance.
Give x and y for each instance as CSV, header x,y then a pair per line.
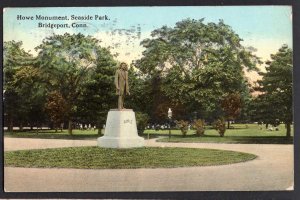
x,y
271,170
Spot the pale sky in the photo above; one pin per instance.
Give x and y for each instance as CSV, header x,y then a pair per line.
x,y
264,27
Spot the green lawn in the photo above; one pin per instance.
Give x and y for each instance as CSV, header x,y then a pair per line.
x,y
242,133
104,158
51,134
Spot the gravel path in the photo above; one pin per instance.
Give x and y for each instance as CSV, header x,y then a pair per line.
x,y
272,170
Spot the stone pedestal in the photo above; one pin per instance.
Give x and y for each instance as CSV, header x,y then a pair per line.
x,y
120,130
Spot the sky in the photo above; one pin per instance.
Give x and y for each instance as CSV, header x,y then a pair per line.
x,y
266,28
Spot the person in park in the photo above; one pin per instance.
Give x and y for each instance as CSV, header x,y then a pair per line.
x,y
121,82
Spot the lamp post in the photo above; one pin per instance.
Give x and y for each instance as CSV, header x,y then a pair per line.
x,y
170,117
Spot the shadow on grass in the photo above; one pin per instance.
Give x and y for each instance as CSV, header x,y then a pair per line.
x,y
263,140
51,135
230,139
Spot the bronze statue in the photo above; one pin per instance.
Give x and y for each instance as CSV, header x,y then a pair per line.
x,y
121,82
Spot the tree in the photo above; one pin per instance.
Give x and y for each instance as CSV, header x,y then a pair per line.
x,y
141,98
66,61
98,93
231,104
32,95
196,64
277,87
15,58
261,112
56,107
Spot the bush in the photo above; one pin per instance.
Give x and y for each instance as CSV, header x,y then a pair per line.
x,y
199,126
183,126
220,126
141,122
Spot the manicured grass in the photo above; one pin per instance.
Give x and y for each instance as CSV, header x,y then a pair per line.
x,y
229,139
104,158
51,134
242,133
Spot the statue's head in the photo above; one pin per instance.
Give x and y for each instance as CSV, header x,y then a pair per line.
x,y
124,66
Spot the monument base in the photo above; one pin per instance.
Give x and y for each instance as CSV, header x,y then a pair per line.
x,y
120,130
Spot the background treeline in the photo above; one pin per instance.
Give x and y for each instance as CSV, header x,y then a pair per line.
x,y
196,69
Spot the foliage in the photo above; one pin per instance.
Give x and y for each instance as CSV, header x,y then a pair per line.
x,y
195,64
56,108
231,104
142,121
220,126
261,112
183,126
141,97
98,92
67,62
199,124
23,95
276,88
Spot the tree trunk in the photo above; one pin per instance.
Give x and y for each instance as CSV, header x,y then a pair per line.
x,y
21,126
288,129
228,124
10,124
267,125
70,127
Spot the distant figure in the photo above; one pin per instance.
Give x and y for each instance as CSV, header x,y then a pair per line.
x,y
61,127
121,82
80,126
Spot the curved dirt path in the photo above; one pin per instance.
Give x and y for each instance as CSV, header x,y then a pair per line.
x,y
272,170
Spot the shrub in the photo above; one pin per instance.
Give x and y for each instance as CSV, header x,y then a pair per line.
x,y
199,126
141,121
183,126
220,126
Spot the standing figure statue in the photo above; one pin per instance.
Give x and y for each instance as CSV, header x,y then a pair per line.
x,y
121,82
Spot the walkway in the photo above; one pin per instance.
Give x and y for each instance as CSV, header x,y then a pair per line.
x,y
272,170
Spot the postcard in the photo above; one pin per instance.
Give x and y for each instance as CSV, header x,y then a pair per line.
x,y
148,99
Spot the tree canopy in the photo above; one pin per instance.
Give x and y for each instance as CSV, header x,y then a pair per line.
x,y
68,61
276,87
195,68
196,63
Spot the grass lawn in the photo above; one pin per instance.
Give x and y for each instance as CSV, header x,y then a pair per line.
x,y
51,134
242,133
103,158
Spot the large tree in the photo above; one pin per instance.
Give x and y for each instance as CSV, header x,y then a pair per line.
x,y
21,93
196,64
67,62
98,93
277,87
32,95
